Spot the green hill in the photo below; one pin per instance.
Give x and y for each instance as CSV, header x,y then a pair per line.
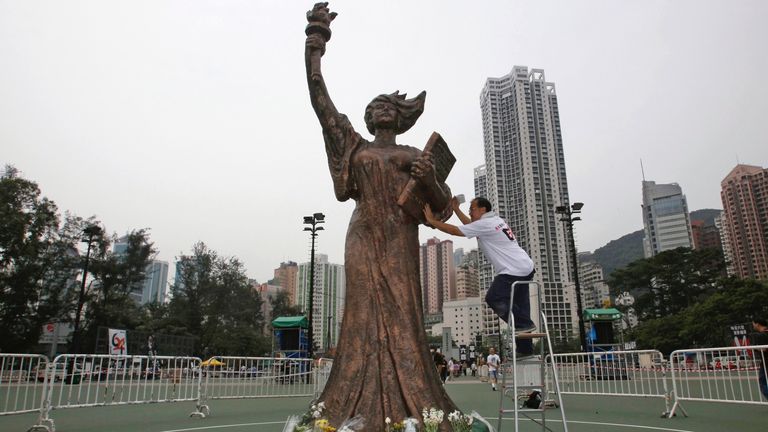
x,y
625,249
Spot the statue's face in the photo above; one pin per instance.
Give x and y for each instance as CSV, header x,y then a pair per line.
x,y
384,115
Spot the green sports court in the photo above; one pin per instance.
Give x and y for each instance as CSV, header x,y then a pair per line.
x,y
584,414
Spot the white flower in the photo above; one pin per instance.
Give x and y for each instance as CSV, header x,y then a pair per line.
x,y
316,414
321,405
387,420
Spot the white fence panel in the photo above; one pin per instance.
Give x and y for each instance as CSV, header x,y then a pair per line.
x,y
22,383
257,377
87,380
638,373
726,374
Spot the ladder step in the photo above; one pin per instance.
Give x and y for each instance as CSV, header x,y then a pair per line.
x,y
523,410
530,335
521,386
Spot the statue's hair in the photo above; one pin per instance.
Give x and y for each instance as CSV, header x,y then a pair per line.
x,y
408,110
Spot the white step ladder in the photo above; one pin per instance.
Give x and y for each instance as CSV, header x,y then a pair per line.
x,y
529,374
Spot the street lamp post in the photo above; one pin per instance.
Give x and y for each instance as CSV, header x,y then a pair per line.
x,y
567,216
90,232
313,222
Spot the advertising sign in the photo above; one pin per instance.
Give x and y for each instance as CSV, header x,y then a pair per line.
x,y
118,344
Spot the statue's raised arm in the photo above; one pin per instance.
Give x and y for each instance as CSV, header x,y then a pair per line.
x,y
318,34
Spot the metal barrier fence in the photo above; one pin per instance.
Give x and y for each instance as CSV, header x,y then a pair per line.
x,y
87,380
639,373
32,383
258,377
727,374
22,383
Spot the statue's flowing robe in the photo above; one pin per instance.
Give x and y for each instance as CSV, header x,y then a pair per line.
x,y
382,367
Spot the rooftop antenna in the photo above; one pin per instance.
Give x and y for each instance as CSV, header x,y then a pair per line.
x,y
738,162
641,168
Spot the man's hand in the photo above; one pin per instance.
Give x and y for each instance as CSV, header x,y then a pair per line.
x,y
455,204
428,215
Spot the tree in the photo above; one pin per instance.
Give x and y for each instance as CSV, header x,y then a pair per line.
x,y
34,270
706,323
116,276
670,281
281,305
213,300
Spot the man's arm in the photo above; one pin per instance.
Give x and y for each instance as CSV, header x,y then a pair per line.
x,y
442,226
457,210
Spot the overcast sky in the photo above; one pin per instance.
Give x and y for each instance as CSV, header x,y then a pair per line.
x,y
192,118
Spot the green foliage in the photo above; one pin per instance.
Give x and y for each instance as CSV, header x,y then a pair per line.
x,y
706,323
213,300
28,237
670,281
281,305
683,299
115,276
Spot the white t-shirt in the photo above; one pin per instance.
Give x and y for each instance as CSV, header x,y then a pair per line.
x,y
493,361
498,243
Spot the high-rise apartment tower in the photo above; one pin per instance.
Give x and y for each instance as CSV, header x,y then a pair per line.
x,y
438,275
526,180
745,205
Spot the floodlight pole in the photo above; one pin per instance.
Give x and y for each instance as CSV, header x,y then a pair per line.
x,y
568,218
312,221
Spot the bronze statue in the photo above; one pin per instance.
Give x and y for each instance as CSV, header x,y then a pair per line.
x,y
382,366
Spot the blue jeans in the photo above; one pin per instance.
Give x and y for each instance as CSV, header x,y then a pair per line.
x,y
762,381
498,299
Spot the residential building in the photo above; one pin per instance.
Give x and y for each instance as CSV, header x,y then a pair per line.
x,y
725,242
329,293
466,282
595,292
458,256
266,291
464,317
285,276
666,221
526,180
744,192
704,235
438,274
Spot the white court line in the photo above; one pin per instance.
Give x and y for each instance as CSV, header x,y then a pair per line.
x,y
225,426
569,421
628,426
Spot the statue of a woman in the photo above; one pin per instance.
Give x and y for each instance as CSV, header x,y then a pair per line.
x,y
382,366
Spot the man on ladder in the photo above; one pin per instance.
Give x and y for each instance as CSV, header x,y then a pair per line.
x,y
509,260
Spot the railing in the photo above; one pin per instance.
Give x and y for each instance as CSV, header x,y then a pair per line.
x,y
639,373
87,380
30,383
727,374
22,383
258,377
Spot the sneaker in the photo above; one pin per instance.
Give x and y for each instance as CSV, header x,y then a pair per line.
x,y
525,329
